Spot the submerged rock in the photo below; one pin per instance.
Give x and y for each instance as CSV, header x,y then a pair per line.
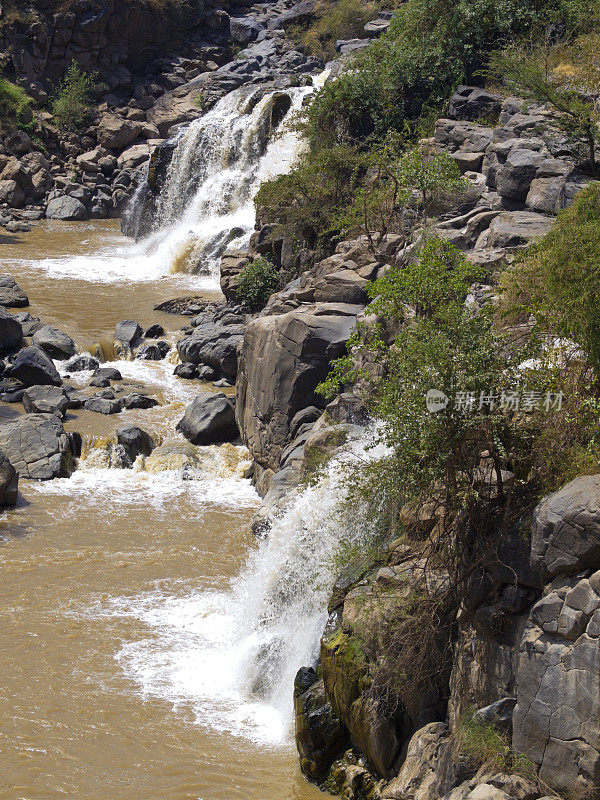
x,y
210,419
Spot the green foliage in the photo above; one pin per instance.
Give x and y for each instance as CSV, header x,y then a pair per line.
x,y
566,78
485,745
558,279
256,283
13,101
310,199
72,104
345,19
431,46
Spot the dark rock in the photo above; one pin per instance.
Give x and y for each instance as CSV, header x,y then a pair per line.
x,y
102,405
83,363
29,324
34,368
320,736
128,332
188,371
209,419
498,714
11,332
135,400
11,294
9,482
214,345
154,331
45,400
37,447
206,373
153,352
514,177
104,375
55,343
135,441
472,103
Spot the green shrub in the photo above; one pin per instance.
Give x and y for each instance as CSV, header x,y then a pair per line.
x,y
558,279
72,104
256,283
430,47
13,101
485,745
345,19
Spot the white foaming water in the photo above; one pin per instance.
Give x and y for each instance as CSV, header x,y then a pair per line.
x,y
232,656
217,167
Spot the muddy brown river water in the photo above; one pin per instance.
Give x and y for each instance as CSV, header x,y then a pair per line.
x,y
119,640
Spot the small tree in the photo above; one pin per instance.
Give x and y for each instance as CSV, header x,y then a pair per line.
x,y
72,103
256,283
566,78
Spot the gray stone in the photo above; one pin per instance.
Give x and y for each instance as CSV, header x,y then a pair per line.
x,y
11,294
32,367
135,400
66,208
566,529
37,447
9,482
45,400
214,345
155,351
55,343
517,228
11,332
128,332
514,177
135,441
547,195
209,419
82,363
101,405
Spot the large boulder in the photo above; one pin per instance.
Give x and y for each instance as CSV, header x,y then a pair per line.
x,y
11,332
514,177
556,723
11,294
37,446
34,368
283,359
115,132
46,400
55,343
209,419
128,332
66,208
9,482
517,228
82,363
11,194
566,529
214,345
232,263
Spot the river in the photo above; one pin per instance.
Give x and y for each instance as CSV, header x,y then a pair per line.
x,y
137,609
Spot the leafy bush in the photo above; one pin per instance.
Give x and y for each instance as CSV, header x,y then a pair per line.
x,y
558,279
13,101
566,78
485,745
345,19
430,47
72,104
256,283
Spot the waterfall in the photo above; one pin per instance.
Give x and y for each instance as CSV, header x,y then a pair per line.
x,y
232,654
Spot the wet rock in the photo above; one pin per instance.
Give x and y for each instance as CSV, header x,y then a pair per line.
x,y
82,363
135,400
128,332
11,332
66,208
9,482
37,447
154,331
55,343
104,375
29,324
153,352
320,736
135,441
32,367
101,405
209,419
188,371
566,529
11,294
45,400
214,345
206,373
